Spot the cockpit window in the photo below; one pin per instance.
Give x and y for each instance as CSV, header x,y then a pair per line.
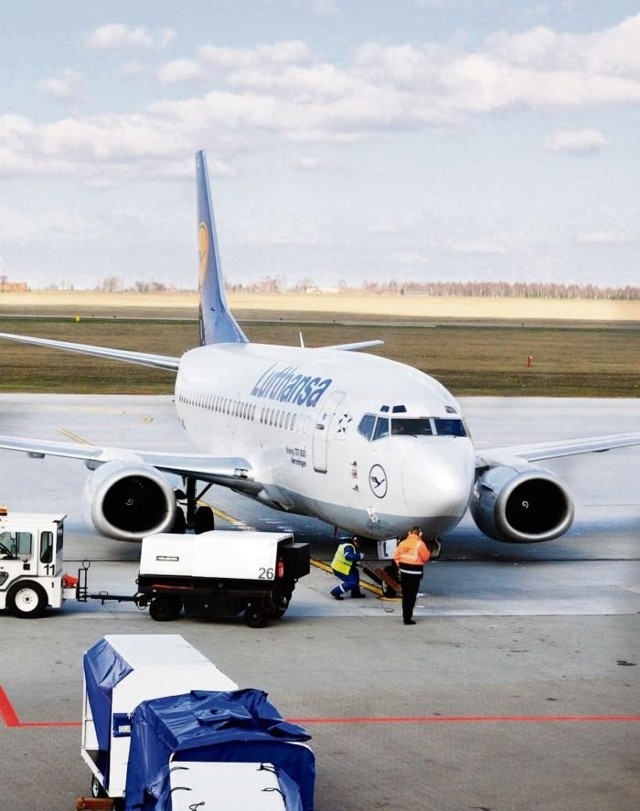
x,y
374,427
449,427
382,428
366,425
412,427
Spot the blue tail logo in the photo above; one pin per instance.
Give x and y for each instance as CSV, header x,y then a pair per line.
x,y
217,324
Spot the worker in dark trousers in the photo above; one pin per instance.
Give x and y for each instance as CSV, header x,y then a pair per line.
x,y
344,566
410,556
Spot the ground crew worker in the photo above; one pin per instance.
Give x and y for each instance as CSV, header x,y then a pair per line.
x,y
344,566
410,556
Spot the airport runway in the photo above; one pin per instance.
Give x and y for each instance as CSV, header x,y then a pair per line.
x,y
517,689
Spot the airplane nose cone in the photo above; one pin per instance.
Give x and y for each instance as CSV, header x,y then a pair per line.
x,y
437,477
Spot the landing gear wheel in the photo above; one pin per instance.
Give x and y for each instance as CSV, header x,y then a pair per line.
x,y
179,523
203,520
96,788
165,609
27,600
255,616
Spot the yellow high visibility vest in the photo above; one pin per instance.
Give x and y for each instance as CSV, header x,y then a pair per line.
x,y
339,562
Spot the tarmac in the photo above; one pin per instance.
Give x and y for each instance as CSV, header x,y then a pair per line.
x,y
518,688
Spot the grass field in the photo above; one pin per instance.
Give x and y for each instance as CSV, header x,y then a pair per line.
x,y
354,304
572,359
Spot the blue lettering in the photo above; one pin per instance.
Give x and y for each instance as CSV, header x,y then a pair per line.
x,y
287,385
258,390
315,396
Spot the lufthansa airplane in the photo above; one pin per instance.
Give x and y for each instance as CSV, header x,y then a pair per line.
x,y
363,443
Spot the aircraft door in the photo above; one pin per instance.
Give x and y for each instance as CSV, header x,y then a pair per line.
x,y
321,431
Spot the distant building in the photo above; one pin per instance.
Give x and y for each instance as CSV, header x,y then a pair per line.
x,y
13,287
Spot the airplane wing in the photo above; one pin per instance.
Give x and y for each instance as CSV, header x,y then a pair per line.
x,y
166,362
232,471
488,457
355,346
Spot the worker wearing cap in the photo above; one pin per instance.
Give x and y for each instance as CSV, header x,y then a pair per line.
x,y
344,566
410,556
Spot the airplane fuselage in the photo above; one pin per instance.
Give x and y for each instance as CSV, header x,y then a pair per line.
x,y
359,441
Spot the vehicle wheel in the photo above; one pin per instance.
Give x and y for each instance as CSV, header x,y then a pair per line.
x,y
164,609
96,788
255,616
27,600
280,608
278,613
203,520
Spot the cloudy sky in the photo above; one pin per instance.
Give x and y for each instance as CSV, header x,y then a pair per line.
x,y
347,139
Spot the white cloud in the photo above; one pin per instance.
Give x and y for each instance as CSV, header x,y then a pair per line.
x,y
311,164
132,70
324,8
120,37
483,247
286,90
410,259
576,142
261,57
600,238
69,85
181,71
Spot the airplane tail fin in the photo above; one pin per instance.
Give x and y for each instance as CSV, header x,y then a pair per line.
x,y
217,324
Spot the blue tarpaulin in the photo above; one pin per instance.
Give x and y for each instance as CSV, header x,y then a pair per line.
x,y
104,668
238,726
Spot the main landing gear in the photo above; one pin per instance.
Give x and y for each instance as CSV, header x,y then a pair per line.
x,y
195,517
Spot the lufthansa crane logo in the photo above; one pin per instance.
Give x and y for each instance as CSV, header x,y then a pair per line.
x,y
378,481
203,252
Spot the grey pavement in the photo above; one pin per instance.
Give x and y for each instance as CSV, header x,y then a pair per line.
x,y
517,689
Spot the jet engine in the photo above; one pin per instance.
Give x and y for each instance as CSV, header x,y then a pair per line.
x,y
521,504
127,499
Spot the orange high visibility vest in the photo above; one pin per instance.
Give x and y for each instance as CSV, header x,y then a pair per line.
x,y
413,551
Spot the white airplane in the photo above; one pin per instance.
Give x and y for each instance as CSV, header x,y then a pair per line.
x,y
363,443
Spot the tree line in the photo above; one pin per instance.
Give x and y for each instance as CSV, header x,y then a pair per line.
x,y
537,290
278,284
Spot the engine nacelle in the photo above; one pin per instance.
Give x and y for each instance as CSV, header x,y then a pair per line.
x,y
521,504
127,500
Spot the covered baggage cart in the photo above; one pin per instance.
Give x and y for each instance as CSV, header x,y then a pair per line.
x,y
119,672
222,750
